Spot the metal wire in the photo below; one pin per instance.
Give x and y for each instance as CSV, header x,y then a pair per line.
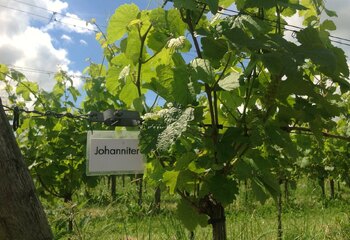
x,y
46,113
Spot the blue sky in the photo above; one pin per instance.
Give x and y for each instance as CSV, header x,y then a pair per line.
x,y
85,46
39,37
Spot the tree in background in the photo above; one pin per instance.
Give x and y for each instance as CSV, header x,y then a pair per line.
x,y
21,214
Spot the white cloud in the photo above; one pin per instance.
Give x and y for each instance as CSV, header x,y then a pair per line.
x,y
30,47
66,38
37,52
76,76
33,9
71,23
83,42
56,6
295,22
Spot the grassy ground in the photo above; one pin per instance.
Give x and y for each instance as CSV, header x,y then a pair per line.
x,y
305,216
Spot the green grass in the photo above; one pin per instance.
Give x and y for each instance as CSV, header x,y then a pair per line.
x,y
305,216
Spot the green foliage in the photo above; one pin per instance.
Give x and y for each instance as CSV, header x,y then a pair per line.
x,y
53,147
233,110
190,218
121,21
245,76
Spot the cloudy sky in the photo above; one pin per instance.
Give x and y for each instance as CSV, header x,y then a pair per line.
x,y
39,37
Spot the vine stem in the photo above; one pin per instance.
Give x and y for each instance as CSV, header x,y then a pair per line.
x,y
279,215
278,26
207,205
308,130
212,101
143,40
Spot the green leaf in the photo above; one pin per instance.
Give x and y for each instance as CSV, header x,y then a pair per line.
x,y
58,90
150,130
178,121
74,92
189,216
128,93
168,22
330,13
196,169
225,3
188,4
154,171
291,5
270,183
184,89
231,101
277,137
113,82
170,180
17,76
231,136
259,191
184,160
224,189
343,83
328,25
162,85
187,181
3,71
202,70
309,37
295,85
25,88
131,46
58,127
342,64
214,49
272,61
213,5
253,25
241,40
157,40
154,70
120,20
138,104
259,4
325,60
118,73
316,128
316,46
230,82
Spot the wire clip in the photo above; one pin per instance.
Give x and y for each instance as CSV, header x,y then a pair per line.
x,y
112,117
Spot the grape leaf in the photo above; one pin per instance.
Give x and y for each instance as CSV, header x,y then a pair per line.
x,y
120,20
213,5
224,189
230,82
170,180
189,216
202,70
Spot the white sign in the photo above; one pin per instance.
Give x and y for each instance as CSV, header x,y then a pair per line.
x,y
113,152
